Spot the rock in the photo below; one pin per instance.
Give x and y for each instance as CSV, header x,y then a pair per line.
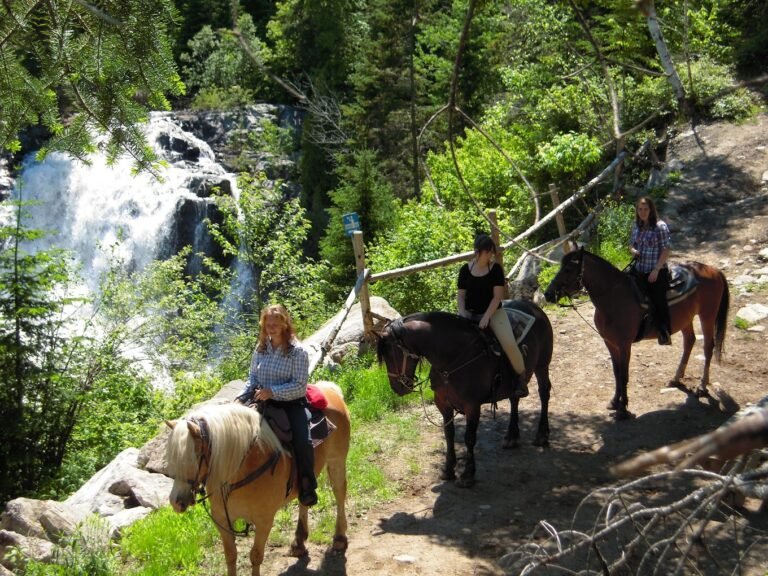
x,y
125,518
742,280
120,481
351,330
30,547
753,313
152,455
38,518
763,254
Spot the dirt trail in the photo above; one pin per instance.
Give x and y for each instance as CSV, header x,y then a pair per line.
x,y
718,214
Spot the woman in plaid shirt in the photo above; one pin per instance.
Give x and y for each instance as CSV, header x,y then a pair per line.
x,y
279,374
649,246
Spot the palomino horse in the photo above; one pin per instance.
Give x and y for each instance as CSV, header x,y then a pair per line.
x,y
619,314
465,373
230,452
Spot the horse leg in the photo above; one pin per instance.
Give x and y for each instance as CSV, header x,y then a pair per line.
x,y
513,431
689,339
545,386
337,474
230,548
449,467
467,478
620,362
298,547
260,535
708,331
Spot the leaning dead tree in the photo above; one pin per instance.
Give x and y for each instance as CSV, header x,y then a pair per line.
x,y
670,523
686,521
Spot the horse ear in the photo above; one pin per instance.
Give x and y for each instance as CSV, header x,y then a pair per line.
x,y
194,429
171,423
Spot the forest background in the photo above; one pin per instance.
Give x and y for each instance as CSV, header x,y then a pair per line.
x,y
418,115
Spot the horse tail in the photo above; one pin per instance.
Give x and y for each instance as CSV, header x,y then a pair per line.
x,y
721,323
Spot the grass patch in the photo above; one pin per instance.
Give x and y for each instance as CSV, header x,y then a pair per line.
x,y
170,544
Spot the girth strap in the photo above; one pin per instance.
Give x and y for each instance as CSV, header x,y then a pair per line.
x,y
261,470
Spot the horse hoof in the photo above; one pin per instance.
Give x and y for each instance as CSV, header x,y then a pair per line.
x,y
701,392
298,551
465,482
510,443
613,405
624,415
541,442
340,544
447,476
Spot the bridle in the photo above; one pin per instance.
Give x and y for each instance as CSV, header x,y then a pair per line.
x,y
197,484
409,383
579,283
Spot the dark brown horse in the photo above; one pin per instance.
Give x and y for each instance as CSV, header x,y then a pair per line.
x,y
466,373
619,314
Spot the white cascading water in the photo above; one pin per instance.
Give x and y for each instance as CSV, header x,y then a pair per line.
x,y
100,211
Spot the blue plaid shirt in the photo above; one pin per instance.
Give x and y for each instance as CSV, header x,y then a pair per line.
x,y
649,242
285,373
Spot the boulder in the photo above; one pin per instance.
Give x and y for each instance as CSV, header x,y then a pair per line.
x,y
29,546
120,485
351,331
38,518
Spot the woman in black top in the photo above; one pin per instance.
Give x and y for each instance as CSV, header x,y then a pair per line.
x,y
480,292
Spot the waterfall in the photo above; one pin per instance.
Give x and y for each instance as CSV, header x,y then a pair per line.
x,y
99,211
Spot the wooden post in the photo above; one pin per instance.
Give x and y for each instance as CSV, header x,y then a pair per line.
x,y
495,236
559,216
365,301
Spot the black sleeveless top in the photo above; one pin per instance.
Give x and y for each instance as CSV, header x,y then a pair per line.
x,y
479,288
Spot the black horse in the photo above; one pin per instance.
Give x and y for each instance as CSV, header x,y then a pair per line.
x,y
467,371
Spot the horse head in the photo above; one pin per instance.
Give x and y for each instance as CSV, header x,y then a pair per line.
x,y
568,279
401,362
189,456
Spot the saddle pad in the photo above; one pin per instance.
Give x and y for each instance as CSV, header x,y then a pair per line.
x,y
316,398
521,322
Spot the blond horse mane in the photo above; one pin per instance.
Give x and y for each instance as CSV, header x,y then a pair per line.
x,y
233,430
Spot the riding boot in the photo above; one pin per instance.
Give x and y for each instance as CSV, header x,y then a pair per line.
x,y
304,453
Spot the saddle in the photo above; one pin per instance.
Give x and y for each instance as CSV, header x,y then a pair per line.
x,y
319,425
682,283
520,321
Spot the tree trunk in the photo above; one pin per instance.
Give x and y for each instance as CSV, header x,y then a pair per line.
x,y
648,9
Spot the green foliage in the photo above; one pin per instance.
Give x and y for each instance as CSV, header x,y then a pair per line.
x,y
423,232
73,69
218,68
167,543
87,552
491,179
613,231
710,80
363,190
44,373
569,156
215,98
266,231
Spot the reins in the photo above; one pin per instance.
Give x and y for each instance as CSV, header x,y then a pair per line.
x,y
413,383
198,484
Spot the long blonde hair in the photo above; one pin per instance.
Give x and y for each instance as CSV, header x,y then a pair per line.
x,y
289,332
